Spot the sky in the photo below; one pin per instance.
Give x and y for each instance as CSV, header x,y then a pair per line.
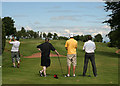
x,y
80,18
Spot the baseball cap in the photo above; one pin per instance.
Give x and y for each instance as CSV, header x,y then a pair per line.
x,y
71,35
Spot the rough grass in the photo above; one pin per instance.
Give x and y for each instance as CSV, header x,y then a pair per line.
x,y
106,62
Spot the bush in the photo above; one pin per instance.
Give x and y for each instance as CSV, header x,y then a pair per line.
x,y
109,44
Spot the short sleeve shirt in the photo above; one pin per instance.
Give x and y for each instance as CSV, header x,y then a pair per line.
x,y
71,45
15,47
45,49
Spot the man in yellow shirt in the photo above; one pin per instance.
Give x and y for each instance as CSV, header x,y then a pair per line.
x,y
71,46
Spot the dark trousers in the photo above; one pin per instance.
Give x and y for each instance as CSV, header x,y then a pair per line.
x,y
90,56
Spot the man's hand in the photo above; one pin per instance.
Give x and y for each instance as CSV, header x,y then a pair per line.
x,y
9,41
57,52
39,49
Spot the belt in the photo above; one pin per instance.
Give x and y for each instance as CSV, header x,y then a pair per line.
x,y
89,53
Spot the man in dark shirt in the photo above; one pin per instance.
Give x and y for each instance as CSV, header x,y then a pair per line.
x,y
45,55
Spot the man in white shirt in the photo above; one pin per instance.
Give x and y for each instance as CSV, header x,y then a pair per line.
x,y
89,48
15,51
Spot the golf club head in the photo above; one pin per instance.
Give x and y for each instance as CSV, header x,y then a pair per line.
x,y
89,75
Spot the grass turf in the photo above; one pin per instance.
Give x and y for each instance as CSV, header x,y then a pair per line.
x,y
106,62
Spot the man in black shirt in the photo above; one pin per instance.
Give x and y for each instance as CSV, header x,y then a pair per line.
x,y
45,55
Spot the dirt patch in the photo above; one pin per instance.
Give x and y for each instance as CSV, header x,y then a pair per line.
x,y
118,51
38,55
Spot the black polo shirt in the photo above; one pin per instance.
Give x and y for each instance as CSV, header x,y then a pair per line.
x,y
45,50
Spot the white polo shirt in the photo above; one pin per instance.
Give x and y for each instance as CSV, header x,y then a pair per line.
x,y
89,46
15,47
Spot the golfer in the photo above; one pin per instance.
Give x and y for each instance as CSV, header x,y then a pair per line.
x,y
15,51
89,48
71,46
45,55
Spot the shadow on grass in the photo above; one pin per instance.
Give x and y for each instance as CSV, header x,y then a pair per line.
x,y
108,54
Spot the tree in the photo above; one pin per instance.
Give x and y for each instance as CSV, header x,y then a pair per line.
x,y
30,33
3,35
85,38
114,22
62,38
77,37
98,38
18,34
36,35
9,26
44,35
41,35
23,32
55,36
49,35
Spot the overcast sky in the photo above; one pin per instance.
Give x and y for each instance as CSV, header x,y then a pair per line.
x,y
80,18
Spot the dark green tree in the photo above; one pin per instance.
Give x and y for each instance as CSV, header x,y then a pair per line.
x,y
9,26
36,35
98,38
114,22
41,35
3,35
19,34
77,37
23,32
44,35
85,38
55,36
30,33
49,35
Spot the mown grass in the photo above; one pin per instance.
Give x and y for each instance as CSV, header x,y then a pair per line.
x,y
106,62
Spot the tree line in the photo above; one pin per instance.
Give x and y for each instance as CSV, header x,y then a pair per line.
x,y
8,29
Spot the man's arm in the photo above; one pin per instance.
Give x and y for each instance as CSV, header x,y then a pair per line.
x,y
84,47
66,48
57,52
9,41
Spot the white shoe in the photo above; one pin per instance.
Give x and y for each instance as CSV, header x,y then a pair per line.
x,y
73,75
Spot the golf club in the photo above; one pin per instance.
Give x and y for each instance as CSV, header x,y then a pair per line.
x,y
89,69
60,66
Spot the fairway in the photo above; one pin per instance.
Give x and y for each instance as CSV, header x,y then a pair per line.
x,y
28,73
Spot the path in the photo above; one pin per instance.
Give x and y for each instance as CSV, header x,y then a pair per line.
x,y
38,55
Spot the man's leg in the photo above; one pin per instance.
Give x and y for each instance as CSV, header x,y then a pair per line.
x,y
74,70
69,70
92,59
13,59
74,62
85,64
18,59
68,64
44,70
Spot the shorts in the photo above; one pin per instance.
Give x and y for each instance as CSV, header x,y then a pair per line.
x,y
15,55
71,58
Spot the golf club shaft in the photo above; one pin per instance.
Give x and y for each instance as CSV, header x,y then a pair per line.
x,y
60,65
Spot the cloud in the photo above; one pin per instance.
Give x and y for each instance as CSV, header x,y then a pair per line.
x,y
63,11
66,18
28,28
36,22
20,15
106,27
66,30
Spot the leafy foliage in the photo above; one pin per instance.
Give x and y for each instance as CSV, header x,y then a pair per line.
x,y
9,26
114,22
98,38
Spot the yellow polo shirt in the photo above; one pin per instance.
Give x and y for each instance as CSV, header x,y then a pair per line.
x,y
71,45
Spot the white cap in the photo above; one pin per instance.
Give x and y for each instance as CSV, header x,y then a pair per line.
x,y
71,35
